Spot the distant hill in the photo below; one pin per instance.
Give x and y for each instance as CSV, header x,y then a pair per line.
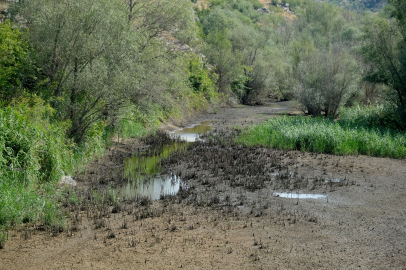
x,y
356,5
360,5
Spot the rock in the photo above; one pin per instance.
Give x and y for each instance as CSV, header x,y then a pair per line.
x,y
67,181
197,19
286,8
184,48
263,10
169,128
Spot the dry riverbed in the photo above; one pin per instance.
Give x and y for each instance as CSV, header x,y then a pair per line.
x,y
235,208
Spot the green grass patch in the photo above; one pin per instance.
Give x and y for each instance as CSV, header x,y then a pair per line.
x,y
384,116
33,157
324,135
35,154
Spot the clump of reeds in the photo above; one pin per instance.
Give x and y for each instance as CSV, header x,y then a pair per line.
x,y
324,135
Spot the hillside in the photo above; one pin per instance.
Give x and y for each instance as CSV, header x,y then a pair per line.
x,y
356,5
360,5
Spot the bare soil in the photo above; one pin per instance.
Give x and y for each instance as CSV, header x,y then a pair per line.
x,y
227,215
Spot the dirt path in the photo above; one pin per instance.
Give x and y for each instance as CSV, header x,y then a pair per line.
x,y
231,218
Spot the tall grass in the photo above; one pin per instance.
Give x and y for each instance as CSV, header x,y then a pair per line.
x,y
135,123
384,116
326,136
34,155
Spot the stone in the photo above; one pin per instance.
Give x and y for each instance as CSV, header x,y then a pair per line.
x,y
67,181
264,10
184,48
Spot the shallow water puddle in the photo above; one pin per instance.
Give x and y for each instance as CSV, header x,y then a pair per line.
x,y
299,195
144,172
144,175
191,133
334,180
152,188
137,167
283,175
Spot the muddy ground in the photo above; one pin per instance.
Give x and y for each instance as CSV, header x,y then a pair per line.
x,y
230,213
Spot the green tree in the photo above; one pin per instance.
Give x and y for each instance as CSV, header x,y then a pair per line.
x,y
14,52
200,76
82,54
384,49
227,62
326,81
152,18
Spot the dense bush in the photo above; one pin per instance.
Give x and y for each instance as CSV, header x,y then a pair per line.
x,y
384,115
326,82
255,54
14,62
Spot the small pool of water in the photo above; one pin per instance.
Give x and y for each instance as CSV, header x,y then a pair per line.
x,y
283,175
299,195
144,173
334,180
191,133
152,188
139,167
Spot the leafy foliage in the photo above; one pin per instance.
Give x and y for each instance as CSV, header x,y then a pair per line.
x,y
384,49
200,77
326,82
13,60
362,5
255,54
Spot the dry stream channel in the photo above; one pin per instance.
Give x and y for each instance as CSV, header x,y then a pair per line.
x,y
194,199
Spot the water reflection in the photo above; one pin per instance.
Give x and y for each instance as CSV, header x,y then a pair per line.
x,y
144,173
190,134
299,195
152,188
138,167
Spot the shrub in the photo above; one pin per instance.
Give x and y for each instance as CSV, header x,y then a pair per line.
x,y
13,58
378,116
326,82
